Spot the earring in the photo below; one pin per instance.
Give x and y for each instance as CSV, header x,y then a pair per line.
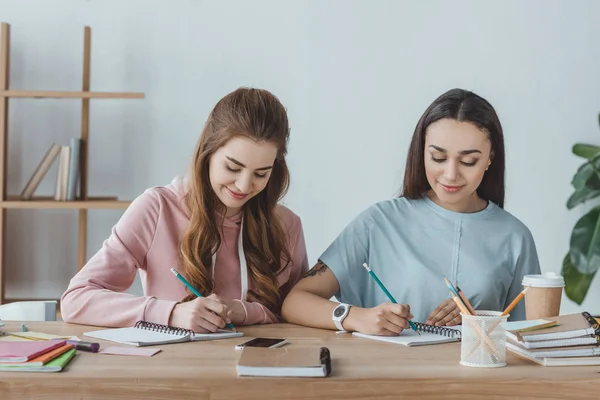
x,y
488,166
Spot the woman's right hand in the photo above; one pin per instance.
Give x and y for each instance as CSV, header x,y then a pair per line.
x,y
202,315
387,319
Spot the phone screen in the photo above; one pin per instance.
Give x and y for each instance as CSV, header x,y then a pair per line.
x,y
262,342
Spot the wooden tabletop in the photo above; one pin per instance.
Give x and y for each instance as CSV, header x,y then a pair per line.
x,y
361,369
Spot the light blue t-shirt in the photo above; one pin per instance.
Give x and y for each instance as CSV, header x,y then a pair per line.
x,y
412,244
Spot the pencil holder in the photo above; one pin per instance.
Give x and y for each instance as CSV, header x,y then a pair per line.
x,y
483,341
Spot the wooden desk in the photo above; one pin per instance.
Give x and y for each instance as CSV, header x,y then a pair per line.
x,y
362,369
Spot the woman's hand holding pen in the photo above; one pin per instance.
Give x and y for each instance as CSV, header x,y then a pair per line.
x,y
387,319
446,314
202,315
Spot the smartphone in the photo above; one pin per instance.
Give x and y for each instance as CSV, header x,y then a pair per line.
x,y
262,342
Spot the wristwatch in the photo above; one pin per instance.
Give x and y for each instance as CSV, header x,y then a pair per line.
x,y
339,314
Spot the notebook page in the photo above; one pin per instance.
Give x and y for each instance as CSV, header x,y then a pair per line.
x,y
410,338
137,337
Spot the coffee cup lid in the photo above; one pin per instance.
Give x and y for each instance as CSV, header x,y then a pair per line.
x,y
547,279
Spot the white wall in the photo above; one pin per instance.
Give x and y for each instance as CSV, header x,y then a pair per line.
x,y
354,75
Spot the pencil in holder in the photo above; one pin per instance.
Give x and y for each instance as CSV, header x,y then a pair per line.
x,y
483,339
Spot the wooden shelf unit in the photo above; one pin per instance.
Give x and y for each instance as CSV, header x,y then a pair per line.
x,y
33,94
84,202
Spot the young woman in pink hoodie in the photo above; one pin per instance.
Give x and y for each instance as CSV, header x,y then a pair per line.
x,y
221,228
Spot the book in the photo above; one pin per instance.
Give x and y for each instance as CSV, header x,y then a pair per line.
x,y
41,359
543,344
63,174
430,334
56,365
568,326
18,352
40,171
74,167
145,333
564,351
553,361
36,310
285,362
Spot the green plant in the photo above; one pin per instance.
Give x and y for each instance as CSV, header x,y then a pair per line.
x,y
583,259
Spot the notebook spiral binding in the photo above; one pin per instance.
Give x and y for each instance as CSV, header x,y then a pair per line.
x,y
592,321
151,326
439,330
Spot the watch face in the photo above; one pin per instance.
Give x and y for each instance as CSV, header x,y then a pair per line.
x,y
339,311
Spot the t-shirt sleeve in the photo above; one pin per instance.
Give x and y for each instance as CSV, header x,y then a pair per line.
x,y
346,255
527,263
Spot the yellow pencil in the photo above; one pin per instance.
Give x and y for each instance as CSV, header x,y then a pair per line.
x,y
515,302
465,300
489,345
460,304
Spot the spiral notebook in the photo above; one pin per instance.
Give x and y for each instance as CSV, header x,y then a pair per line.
x,y
148,334
430,334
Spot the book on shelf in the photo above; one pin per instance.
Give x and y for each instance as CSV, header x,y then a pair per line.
x,y
68,175
40,171
74,168
63,174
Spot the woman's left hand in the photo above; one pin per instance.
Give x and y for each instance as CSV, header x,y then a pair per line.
x,y
446,314
237,314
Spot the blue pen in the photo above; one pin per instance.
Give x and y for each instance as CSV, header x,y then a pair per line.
x,y
388,294
182,279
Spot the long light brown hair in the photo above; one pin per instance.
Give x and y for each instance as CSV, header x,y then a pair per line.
x,y
256,114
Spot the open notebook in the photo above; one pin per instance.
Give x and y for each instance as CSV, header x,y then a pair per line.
x,y
429,335
149,334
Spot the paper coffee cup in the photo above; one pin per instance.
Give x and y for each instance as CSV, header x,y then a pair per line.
x,y
542,300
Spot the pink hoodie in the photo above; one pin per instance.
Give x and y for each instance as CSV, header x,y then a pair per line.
x,y
146,239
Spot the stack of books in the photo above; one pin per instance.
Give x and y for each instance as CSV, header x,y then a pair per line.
x,y
35,356
573,340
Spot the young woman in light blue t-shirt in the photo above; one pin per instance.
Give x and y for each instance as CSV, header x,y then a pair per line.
x,y
449,221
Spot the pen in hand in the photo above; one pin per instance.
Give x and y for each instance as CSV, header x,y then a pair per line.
x,y
388,294
182,279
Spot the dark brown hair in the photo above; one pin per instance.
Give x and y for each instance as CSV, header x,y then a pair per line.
x,y
465,106
256,114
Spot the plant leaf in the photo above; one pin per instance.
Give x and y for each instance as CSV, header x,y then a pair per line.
x,y
584,172
586,183
585,150
585,242
576,283
581,196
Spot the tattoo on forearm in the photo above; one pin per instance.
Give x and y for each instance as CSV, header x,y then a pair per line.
x,y
318,269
